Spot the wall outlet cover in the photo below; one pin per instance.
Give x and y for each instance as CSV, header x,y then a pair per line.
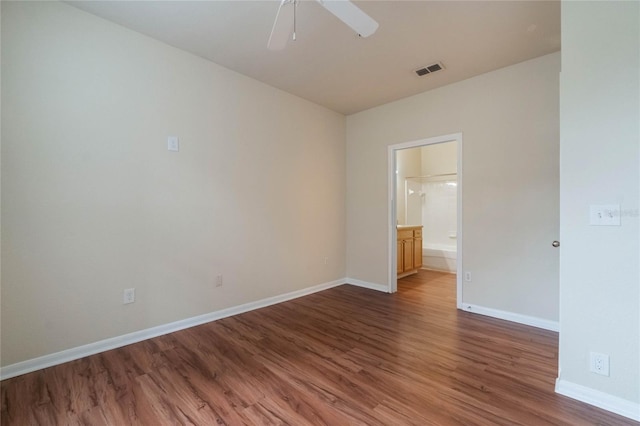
x,y
129,295
599,363
173,143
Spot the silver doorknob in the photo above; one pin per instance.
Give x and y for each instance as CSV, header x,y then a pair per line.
x,y
556,243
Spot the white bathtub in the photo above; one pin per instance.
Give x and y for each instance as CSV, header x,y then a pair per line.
x,y
439,257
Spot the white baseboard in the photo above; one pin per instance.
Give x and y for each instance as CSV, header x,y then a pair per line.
x,y
72,354
511,316
439,264
429,268
365,284
599,399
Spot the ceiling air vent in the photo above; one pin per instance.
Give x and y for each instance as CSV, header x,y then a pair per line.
x,y
429,69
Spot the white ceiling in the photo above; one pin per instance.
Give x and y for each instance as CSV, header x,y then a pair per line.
x,y
331,65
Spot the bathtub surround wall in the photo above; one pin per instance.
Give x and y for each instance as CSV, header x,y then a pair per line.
x,y
440,219
439,212
93,202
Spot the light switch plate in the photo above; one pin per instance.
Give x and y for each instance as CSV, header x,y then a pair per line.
x,y
604,215
173,143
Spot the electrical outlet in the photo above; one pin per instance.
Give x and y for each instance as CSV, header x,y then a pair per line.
x,y
467,276
218,280
173,143
129,295
599,363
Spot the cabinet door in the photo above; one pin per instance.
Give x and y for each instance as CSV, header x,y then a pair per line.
x,y
400,266
407,252
417,253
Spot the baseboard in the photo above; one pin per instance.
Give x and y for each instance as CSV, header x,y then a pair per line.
x,y
430,268
439,264
365,284
599,399
511,316
406,274
72,354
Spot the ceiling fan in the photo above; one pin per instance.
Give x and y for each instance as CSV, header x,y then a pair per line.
x,y
284,26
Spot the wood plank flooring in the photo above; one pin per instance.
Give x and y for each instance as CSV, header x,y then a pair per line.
x,y
345,356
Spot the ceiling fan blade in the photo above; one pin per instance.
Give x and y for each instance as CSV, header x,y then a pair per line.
x,y
282,27
351,15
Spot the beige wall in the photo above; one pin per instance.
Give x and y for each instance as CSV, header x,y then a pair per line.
x,y
93,202
441,158
600,134
408,163
509,120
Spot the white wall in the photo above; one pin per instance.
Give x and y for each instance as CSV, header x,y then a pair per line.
x,y
509,119
600,134
439,214
94,203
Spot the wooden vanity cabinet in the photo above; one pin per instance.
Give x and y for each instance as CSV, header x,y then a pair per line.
x,y
409,250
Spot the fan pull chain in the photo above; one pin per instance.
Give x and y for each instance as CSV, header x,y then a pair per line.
x,y
295,4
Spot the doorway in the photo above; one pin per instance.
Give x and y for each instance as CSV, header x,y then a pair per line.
x,y
409,190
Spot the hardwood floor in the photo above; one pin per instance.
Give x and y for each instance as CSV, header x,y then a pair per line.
x,y
343,356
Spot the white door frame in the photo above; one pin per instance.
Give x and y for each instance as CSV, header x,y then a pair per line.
x,y
392,249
